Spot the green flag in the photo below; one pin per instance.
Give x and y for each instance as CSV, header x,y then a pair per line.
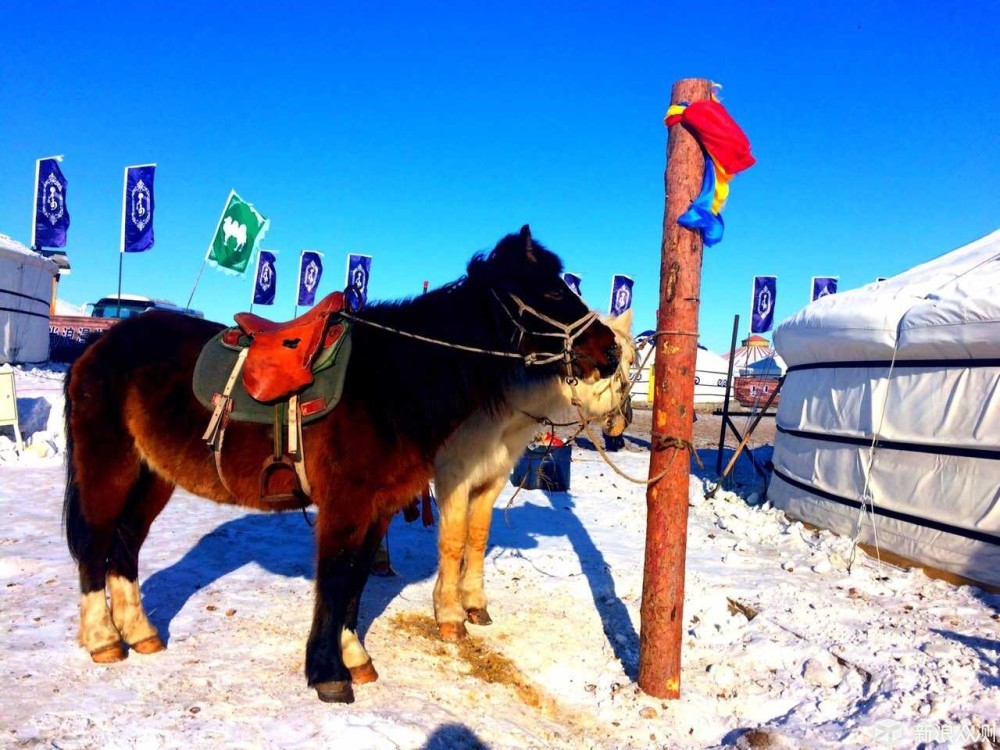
x,y
240,229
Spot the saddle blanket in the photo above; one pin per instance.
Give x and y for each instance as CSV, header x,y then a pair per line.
x,y
216,362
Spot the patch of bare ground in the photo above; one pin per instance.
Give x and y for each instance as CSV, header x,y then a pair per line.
x,y
483,662
708,426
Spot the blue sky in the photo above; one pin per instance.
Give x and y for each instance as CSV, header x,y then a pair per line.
x,y
421,133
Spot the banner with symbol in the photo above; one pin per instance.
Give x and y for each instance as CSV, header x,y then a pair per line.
x,y
51,215
573,282
621,294
310,272
359,268
138,203
266,279
765,293
823,286
237,235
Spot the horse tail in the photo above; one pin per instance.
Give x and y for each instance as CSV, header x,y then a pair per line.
x,y
74,523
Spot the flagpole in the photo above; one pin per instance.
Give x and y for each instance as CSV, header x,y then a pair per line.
x,y
298,285
256,276
121,247
208,252
34,205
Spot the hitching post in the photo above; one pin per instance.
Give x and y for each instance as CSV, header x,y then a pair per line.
x,y
662,613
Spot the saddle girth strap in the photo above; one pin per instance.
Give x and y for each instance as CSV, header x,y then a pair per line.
x,y
294,461
215,433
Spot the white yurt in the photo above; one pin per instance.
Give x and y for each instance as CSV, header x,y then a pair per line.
x,y
710,375
753,350
892,400
25,294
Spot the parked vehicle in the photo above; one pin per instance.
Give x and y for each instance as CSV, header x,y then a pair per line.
x,y
69,333
131,305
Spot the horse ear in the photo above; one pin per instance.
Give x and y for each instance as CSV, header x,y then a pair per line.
x,y
529,247
622,324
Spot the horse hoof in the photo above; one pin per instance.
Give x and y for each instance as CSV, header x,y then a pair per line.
x,y
452,631
365,673
109,654
149,645
336,691
479,616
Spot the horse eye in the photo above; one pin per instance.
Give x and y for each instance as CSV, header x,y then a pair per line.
x,y
554,295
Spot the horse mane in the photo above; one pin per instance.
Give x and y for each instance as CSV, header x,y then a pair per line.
x,y
420,390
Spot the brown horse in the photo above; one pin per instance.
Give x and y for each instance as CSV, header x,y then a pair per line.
x,y
134,432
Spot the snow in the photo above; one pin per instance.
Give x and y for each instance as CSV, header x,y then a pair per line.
x,y
784,646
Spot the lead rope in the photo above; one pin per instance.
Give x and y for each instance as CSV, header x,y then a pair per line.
x,y
568,333
660,442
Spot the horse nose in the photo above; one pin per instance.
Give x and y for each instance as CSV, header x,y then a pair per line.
x,y
614,355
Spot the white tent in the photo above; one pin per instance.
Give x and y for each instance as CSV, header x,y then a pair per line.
x,y
892,396
753,349
25,292
710,375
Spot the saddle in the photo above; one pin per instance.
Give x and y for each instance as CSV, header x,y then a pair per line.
x,y
286,374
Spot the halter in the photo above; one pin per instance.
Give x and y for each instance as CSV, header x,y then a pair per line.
x,y
567,332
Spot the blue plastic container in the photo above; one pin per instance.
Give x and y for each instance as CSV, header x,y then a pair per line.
x,y
543,468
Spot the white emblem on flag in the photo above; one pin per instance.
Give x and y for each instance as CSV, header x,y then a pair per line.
x,y
358,280
310,276
234,230
266,276
623,298
764,303
53,203
140,205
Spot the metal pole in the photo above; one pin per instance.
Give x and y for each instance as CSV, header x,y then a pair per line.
x,y
729,387
661,614
120,257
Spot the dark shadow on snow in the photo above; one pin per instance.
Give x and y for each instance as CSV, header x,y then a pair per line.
x,y
987,649
454,737
283,545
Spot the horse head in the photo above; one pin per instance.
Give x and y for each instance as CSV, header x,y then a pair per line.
x,y
550,324
607,399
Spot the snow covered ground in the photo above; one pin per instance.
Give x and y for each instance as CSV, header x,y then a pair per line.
x,y
784,647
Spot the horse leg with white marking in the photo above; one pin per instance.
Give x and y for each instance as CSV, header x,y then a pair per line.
x,y
471,470
481,501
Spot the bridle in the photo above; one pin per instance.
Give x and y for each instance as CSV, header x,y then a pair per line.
x,y
568,332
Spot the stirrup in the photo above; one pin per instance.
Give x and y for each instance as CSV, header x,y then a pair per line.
x,y
273,468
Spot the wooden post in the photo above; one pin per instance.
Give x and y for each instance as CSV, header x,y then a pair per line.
x,y
662,613
725,401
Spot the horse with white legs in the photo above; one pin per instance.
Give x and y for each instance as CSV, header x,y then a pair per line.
x,y
136,430
471,468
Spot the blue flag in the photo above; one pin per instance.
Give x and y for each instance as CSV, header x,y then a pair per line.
x,y
266,280
823,286
621,294
359,268
310,272
137,209
573,282
765,293
51,215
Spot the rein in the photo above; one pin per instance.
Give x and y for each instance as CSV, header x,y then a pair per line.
x,y
660,442
568,333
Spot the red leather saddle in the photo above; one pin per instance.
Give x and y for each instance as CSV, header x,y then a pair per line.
x,y
281,355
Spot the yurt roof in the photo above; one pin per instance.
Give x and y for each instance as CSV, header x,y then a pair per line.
x,y
11,249
946,308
